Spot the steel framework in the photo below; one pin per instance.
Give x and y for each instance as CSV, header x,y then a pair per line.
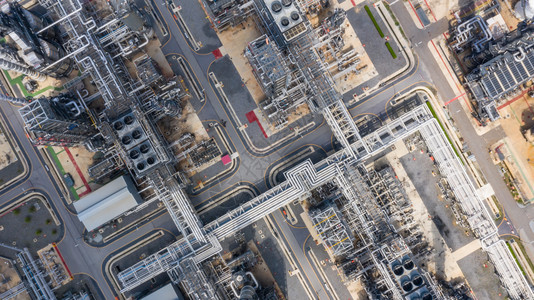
x,y
300,181
332,231
34,276
196,285
86,40
13,292
85,48
476,213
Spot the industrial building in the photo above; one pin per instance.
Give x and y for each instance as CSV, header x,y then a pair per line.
x,y
168,292
355,218
511,65
497,63
33,44
107,203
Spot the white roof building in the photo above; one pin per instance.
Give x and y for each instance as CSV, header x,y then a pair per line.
x,y
167,292
107,203
524,9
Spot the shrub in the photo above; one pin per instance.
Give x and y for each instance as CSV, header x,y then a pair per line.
x,y
48,221
54,231
370,14
16,212
38,232
393,54
33,209
27,219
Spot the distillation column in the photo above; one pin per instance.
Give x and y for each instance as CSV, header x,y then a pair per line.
x,y
19,101
7,62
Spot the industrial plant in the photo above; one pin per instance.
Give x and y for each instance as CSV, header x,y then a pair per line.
x,y
497,62
158,145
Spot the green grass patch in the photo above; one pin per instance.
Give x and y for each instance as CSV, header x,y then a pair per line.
x,y
391,51
53,154
515,257
445,132
510,184
394,19
370,14
527,258
17,81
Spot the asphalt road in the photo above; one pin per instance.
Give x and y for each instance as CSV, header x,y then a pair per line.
x,y
82,258
519,216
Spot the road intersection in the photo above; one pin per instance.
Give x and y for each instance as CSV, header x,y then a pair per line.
x,y
83,258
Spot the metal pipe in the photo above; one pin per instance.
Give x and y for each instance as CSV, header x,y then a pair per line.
x,y
70,54
106,25
256,285
521,55
7,65
60,20
10,56
75,108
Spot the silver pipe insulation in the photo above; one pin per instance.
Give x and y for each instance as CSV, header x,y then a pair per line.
x,y
13,99
7,65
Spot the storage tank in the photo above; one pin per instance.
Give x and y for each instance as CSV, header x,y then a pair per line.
x,y
524,9
248,293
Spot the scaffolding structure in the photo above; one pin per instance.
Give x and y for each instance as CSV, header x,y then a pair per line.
x,y
332,231
85,48
300,181
227,13
34,278
193,279
476,213
285,89
338,60
311,7
369,200
54,122
13,292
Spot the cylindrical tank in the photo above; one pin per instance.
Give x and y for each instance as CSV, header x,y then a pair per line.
x,y
49,50
524,9
248,293
239,279
7,65
36,23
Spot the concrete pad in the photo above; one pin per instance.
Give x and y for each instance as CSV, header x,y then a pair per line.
x,y
7,155
466,250
486,191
